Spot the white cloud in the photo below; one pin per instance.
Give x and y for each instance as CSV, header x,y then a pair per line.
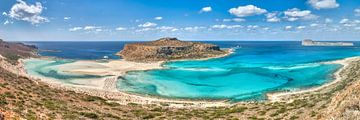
x,y
193,29
244,11
166,28
75,29
238,20
272,17
234,20
206,9
120,29
288,27
344,21
67,18
323,4
349,23
314,25
7,22
91,28
328,20
357,12
301,27
158,18
4,13
30,13
296,14
252,26
148,24
222,26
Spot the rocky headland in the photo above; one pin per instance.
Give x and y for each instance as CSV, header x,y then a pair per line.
x,y
309,42
166,49
13,51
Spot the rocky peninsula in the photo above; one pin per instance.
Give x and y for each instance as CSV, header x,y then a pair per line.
x,y
166,49
309,42
13,51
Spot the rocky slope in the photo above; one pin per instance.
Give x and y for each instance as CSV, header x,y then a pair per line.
x,y
13,51
169,49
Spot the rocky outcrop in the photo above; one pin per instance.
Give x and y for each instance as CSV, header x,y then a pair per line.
x,y
169,49
12,51
309,42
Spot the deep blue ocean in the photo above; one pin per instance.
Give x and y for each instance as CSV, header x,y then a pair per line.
x,y
254,69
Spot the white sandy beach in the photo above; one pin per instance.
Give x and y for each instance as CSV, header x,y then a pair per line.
x,y
106,87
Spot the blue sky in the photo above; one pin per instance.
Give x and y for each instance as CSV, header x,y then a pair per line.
x,y
108,20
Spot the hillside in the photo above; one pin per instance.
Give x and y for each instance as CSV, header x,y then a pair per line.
x,y
169,49
13,51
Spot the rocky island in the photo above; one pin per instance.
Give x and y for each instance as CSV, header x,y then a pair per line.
x,y
309,42
169,49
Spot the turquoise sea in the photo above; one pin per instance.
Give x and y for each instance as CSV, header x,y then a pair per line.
x,y
253,69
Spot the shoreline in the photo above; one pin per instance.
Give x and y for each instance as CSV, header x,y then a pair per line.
x,y
277,96
106,86
126,98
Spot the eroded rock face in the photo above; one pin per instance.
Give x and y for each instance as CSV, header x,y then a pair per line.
x,y
169,49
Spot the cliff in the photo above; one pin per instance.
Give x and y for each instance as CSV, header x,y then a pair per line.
x,y
314,43
12,51
169,49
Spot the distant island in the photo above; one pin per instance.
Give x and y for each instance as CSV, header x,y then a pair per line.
x,y
309,42
169,49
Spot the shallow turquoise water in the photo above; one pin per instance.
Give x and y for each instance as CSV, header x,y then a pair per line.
x,y
254,69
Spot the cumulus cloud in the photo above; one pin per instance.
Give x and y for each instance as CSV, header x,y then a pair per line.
x,y
158,18
296,14
206,9
25,12
323,4
75,29
357,12
147,24
248,10
272,17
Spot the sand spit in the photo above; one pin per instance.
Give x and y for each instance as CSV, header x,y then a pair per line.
x,y
106,86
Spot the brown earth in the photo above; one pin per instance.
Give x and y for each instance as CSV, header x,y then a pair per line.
x,y
13,51
169,49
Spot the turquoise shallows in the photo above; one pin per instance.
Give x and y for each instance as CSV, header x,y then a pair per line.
x,y
254,69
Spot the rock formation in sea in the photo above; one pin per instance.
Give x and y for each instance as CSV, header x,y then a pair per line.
x,y
309,42
169,49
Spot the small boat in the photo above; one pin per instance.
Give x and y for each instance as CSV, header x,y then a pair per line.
x,y
106,57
